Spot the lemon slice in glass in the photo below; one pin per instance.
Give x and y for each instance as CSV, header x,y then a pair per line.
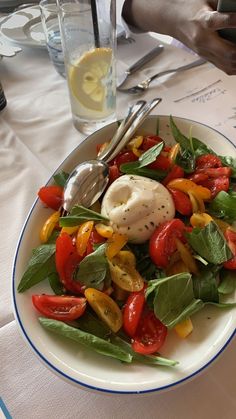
x,y
87,78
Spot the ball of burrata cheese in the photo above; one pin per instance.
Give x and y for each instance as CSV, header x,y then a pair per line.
x,y
136,205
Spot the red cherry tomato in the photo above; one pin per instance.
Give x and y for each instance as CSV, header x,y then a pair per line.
x,y
125,157
150,335
162,242
94,238
182,202
67,260
198,177
161,163
216,172
208,160
114,173
51,196
132,312
216,184
149,141
59,307
175,173
230,236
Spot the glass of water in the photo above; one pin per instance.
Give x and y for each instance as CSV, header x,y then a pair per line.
x,y
50,22
88,32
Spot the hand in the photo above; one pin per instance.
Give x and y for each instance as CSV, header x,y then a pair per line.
x,y
193,22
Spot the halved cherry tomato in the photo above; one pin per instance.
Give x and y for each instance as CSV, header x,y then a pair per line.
x,y
208,160
114,173
216,172
216,185
182,202
132,312
162,162
149,141
162,243
230,236
94,238
175,173
125,157
67,260
59,307
150,335
51,196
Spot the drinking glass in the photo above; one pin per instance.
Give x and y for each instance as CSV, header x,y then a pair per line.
x,y
50,22
88,34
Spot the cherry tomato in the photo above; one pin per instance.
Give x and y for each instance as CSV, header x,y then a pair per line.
x,y
94,238
125,157
162,162
216,184
216,172
230,236
59,307
175,173
162,242
51,196
150,335
67,260
149,141
114,173
132,312
208,160
182,202
198,177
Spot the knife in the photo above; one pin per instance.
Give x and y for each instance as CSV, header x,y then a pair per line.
x,y
139,64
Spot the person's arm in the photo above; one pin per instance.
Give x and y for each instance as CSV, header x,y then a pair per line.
x,y
193,22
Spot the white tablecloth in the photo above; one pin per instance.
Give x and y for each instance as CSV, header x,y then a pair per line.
x,y
36,133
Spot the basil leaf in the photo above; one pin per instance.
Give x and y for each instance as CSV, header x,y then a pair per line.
x,y
150,155
224,206
61,178
55,283
91,341
144,265
209,243
134,169
227,282
92,270
186,160
79,215
205,284
174,299
179,137
40,266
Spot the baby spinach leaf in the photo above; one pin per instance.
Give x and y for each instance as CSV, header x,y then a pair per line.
x,y
205,284
227,281
209,243
224,206
91,341
40,266
61,178
134,169
79,215
93,268
174,299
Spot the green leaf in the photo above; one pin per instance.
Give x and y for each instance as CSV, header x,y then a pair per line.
x,y
55,283
79,215
224,206
150,155
209,243
40,266
205,284
91,341
147,269
174,298
134,169
61,178
227,281
93,268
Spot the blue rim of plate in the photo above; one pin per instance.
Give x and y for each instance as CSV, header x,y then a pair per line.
x,y
42,357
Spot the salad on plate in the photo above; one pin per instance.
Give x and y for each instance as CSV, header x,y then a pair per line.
x,y
158,247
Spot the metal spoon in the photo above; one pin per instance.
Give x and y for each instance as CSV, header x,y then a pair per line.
x,y
89,179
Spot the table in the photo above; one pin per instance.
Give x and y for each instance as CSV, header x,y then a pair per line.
x,y
36,134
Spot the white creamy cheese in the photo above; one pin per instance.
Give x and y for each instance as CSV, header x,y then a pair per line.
x,y
136,205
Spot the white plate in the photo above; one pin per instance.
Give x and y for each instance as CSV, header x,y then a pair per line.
x,y
213,328
24,27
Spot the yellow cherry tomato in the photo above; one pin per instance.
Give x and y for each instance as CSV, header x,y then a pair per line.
x,y
104,230
83,236
174,152
200,219
49,226
115,244
186,185
105,308
176,268
184,328
197,202
134,145
123,272
186,256
69,230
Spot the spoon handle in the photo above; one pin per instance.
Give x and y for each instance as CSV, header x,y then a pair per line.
x,y
123,127
134,126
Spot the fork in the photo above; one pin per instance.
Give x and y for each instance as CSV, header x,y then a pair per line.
x,y
142,86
